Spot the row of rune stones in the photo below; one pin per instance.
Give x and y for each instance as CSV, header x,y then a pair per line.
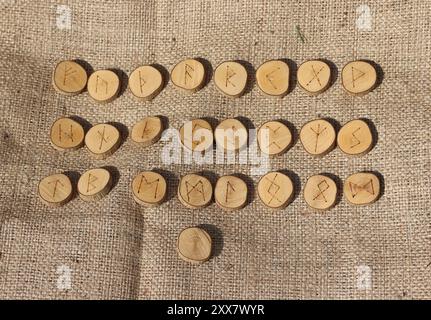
x,y
314,76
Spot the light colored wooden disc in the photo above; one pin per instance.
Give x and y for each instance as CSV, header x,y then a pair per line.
x,y
231,135
230,193
197,135
103,86
188,75
94,184
55,190
147,131
355,138
273,78
314,76
318,137
69,78
358,77
275,190
231,78
195,191
66,134
194,245
320,192
274,137
362,188
102,140
149,188
145,82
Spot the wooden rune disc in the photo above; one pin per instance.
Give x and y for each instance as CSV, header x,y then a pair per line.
x,y
275,190
66,134
231,78
355,138
231,135
103,86
230,193
102,140
197,135
194,245
358,77
318,137
188,75
362,188
314,76
195,191
145,82
273,78
55,190
320,192
69,78
149,188
274,137
94,184
147,131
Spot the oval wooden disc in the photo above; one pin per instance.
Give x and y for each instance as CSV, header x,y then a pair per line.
x,y
147,131
318,137
275,190
273,78
314,76
69,78
149,188
94,184
197,135
102,140
230,193
231,135
362,188
274,137
231,78
103,85
358,77
194,245
55,190
195,191
355,138
188,75
145,82
66,134
320,192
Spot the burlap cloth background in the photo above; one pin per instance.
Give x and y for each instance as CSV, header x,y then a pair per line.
x,y
117,249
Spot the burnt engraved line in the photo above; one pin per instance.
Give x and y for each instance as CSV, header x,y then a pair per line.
x,y
228,185
318,133
229,74
194,142
187,69
56,182
357,142
321,190
274,131
67,72
143,178
195,187
70,136
142,82
270,77
356,188
353,75
90,182
102,138
104,82
315,76
145,129
273,194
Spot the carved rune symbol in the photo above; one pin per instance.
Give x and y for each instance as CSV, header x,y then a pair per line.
x,y
315,76
356,188
187,74
318,132
198,187
230,138
56,183
142,82
102,138
146,131
90,184
322,186
67,72
145,182
102,83
273,189
273,133
270,77
355,141
359,74
229,74
229,189
194,142
68,135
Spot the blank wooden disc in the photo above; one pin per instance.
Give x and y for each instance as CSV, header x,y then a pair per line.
x,y
358,77
314,76
145,82
318,137
362,188
231,135
94,184
102,140
273,78
197,135
195,191
275,190
66,134
320,192
55,190
230,193
355,138
188,75
231,78
69,78
147,131
149,188
103,86
274,137
194,245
